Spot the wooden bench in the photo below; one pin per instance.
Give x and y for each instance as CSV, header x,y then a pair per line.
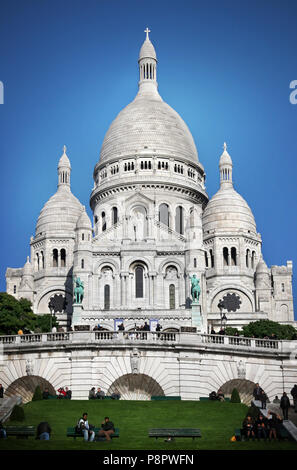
x,y
156,397
72,433
21,432
207,399
173,432
106,397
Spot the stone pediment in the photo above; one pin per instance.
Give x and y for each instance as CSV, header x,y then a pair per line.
x,y
138,197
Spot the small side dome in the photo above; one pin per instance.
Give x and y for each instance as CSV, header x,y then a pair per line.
x,y
28,268
262,267
227,210
60,213
83,221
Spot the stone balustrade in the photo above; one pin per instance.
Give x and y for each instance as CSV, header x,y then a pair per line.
x,y
148,337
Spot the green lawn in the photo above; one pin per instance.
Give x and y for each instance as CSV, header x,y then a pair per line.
x,y
216,421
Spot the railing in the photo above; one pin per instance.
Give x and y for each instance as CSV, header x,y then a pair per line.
x,y
149,336
144,336
58,336
240,341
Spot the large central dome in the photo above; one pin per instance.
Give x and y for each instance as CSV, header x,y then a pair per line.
x,y
148,123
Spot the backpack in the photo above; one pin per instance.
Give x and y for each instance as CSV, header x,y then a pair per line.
x,y
79,427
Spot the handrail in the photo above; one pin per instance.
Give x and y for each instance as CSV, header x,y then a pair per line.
x,y
145,336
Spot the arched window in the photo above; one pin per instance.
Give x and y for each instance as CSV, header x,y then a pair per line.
x,y
106,297
103,220
14,289
164,214
211,258
253,259
206,259
37,261
82,264
172,296
233,256
226,256
63,258
139,282
195,262
283,287
42,259
114,215
247,258
192,217
179,220
55,258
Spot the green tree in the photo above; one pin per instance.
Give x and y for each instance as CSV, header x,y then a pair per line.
x,y
262,328
15,314
37,394
235,398
45,322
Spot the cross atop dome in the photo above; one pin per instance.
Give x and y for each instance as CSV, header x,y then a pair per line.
x,y
147,31
225,146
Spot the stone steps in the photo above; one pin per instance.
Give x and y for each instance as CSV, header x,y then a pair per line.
x,y
288,424
7,407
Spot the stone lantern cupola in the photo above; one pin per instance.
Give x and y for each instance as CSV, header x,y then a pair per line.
x,y
64,170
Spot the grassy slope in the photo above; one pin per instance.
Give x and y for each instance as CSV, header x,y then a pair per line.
x,y
217,422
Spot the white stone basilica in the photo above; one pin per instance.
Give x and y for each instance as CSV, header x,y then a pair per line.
x,y
153,228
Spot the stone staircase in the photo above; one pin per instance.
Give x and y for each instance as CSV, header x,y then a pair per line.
x,y
7,407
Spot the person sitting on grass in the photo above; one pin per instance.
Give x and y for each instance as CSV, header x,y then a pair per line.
x,y
62,393
92,394
84,428
220,396
100,394
43,431
107,429
248,427
45,394
116,395
274,425
68,393
261,427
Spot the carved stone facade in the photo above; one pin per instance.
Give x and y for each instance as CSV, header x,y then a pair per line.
x,y
153,228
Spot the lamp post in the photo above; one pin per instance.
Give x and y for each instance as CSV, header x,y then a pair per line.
x,y
50,306
221,306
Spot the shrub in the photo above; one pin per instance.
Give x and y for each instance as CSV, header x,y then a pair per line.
x,y
37,394
17,413
270,329
235,398
253,411
230,331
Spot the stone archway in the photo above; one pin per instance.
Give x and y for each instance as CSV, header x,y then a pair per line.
x,y
25,387
136,387
245,389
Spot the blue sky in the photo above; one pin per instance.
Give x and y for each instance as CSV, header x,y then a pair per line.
x,y
68,67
